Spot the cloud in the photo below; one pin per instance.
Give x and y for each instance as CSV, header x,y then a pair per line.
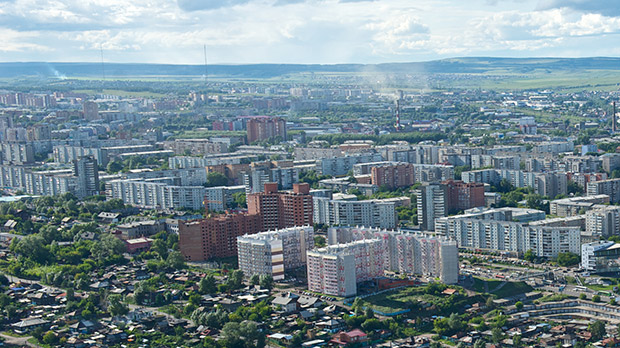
x,y
604,7
199,5
15,41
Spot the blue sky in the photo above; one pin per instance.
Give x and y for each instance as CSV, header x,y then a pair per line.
x,y
304,31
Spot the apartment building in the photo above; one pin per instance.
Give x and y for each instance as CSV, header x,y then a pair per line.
x,y
215,237
543,240
576,205
372,213
409,253
338,166
219,198
610,187
603,221
261,128
335,270
195,146
17,153
431,204
157,194
274,252
282,209
546,184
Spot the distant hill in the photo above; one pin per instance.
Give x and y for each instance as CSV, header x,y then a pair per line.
x,y
453,65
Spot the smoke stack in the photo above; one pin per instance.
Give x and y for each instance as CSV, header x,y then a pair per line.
x,y
614,126
397,115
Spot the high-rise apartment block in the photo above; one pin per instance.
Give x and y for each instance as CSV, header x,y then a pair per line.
x,y
610,187
274,252
91,110
392,175
336,269
87,173
215,237
604,221
264,127
431,202
462,196
282,209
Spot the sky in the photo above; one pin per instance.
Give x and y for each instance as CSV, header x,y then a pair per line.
x,y
304,31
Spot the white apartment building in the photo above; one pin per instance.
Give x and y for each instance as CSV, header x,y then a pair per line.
x,y
156,195
410,253
431,204
543,240
546,184
576,205
587,254
335,270
603,221
336,166
219,198
274,252
373,213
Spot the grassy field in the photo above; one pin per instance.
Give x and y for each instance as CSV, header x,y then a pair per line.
x,y
508,290
406,298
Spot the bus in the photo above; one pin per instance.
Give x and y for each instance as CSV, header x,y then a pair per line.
x,y
580,288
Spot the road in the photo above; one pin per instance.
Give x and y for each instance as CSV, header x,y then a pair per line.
x,y
19,341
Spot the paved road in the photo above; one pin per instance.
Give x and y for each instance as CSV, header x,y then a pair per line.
x,y
19,341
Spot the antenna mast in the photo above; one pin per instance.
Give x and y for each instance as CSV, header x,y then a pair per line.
x,y
102,66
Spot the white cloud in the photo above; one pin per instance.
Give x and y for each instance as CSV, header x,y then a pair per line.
x,y
300,31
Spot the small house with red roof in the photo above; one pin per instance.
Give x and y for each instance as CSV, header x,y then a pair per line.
x,y
352,337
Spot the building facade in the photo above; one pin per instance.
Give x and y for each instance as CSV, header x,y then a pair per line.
x,y
282,209
274,252
216,237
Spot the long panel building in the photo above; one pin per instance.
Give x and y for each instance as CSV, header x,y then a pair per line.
x,y
358,254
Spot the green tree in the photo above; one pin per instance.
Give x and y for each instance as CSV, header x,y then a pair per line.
x,y
50,338
529,255
597,329
175,260
535,201
519,305
266,281
319,241
207,285
583,296
116,307
239,200
596,298
216,179
235,280
497,335
567,259
114,167
255,279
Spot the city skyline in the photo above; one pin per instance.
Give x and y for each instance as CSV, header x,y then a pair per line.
x,y
303,31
